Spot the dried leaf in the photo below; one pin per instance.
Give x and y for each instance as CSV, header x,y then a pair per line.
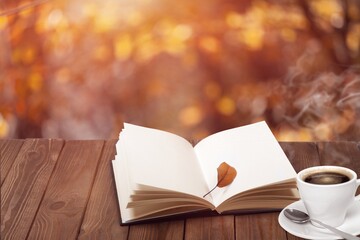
x,y
226,175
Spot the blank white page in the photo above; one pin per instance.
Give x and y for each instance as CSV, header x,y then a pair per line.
x,y
161,159
252,150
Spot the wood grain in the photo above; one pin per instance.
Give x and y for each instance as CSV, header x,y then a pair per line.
x,y
259,226
219,227
9,149
62,210
23,189
346,154
102,217
65,190
301,154
164,230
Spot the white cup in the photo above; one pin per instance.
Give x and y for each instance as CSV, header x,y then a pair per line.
x,y
328,203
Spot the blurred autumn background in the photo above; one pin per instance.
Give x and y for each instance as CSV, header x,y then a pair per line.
x,y
78,69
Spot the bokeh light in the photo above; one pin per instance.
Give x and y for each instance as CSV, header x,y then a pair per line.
x,y
79,69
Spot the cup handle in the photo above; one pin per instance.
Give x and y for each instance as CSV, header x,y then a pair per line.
x,y
357,198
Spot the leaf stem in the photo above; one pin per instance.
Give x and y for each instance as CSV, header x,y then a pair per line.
x,y
216,185
210,191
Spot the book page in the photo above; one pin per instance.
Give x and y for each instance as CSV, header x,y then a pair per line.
x,y
252,150
161,159
123,185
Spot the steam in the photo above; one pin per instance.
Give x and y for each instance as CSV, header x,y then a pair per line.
x,y
327,104
351,94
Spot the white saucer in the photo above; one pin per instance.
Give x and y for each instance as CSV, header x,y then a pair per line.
x,y
308,231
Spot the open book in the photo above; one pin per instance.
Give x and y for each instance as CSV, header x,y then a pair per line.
x,y
159,174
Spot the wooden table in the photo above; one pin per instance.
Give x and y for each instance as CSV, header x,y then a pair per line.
x,y
56,189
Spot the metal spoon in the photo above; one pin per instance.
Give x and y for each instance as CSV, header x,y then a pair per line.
x,y
298,216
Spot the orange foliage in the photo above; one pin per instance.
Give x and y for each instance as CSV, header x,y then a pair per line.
x,y
77,69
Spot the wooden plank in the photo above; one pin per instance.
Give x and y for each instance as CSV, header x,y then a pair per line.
x,y
219,227
9,149
292,237
24,187
345,154
164,230
259,226
102,217
62,210
301,154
